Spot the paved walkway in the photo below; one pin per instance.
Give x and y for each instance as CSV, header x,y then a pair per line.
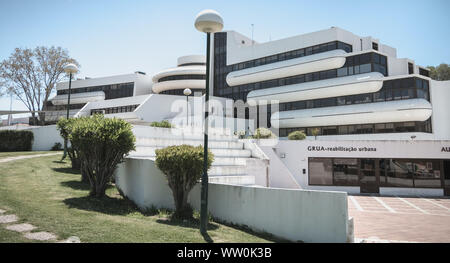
x,y
400,219
14,158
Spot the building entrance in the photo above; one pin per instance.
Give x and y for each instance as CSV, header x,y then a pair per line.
x,y
447,177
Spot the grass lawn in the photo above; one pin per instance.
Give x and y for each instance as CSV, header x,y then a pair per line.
x,y
12,154
48,194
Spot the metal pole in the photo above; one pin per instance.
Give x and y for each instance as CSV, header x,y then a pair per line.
x,y
187,110
68,107
204,188
10,110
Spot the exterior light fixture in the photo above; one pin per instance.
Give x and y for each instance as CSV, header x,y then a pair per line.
x,y
187,92
70,69
207,21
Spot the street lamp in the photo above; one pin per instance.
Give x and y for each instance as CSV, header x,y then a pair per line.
x,y
187,92
70,69
207,21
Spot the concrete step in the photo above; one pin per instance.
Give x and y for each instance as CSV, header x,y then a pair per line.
x,y
246,180
164,142
150,151
151,132
224,170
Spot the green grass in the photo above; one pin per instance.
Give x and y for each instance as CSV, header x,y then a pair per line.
x,y
48,194
12,154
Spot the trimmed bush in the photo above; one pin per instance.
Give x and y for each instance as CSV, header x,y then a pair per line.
x,y
65,127
102,144
297,135
183,167
162,124
263,133
16,140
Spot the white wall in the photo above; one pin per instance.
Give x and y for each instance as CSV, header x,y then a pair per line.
x,y
310,216
440,100
45,137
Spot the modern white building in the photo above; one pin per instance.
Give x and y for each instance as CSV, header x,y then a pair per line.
x,y
381,123
107,92
353,93
134,97
190,73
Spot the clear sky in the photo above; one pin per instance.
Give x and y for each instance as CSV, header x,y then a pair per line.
x,y
110,37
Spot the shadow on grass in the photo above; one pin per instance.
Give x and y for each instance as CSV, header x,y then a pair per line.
x,y
106,205
191,223
77,185
66,170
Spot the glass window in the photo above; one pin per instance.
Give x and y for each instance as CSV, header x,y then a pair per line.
x,y
320,171
365,68
427,173
342,72
345,172
399,173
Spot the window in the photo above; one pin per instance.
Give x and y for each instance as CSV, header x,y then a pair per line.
x,y
320,171
374,46
345,172
410,68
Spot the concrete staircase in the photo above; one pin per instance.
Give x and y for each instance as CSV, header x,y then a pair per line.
x,y
230,155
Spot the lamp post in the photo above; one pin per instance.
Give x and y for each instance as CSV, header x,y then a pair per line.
x,y
70,69
187,92
207,21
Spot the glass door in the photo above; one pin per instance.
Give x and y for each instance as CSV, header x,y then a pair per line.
x,y
369,179
446,176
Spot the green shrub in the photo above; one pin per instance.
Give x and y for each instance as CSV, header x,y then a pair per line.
x,y
162,124
56,147
183,167
102,144
263,133
65,127
297,135
16,140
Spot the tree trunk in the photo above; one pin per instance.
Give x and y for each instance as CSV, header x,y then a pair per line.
x,y
182,208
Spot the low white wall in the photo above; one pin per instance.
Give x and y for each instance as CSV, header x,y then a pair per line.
x,y
309,216
45,137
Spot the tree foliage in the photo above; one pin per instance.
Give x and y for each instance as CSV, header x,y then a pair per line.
x,y
441,72
183,167
102,144
65,127
31,74
297,135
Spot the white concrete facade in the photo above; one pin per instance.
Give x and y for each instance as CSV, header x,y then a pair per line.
x,y
295,155
190,73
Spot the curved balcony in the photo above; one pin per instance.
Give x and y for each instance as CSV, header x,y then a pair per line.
x,y
78,98
351,85
379,112
185,70
178,84
318,62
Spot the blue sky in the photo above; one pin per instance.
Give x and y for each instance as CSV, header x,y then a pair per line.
x,y
112,37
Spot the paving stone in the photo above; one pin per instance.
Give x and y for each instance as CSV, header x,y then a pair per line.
x,y
43,236
8,219
21,227
2,211
73,239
